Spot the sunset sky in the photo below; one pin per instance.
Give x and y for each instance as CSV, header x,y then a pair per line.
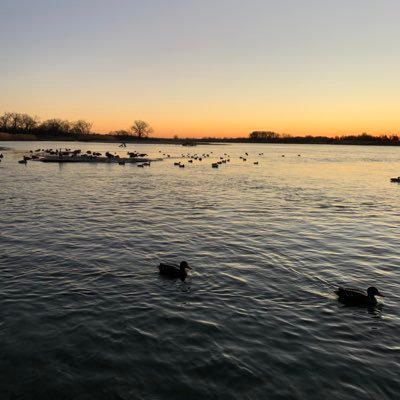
x,y
205,68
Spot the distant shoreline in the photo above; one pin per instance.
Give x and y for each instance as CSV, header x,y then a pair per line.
x,y
361,140
93,137
23,127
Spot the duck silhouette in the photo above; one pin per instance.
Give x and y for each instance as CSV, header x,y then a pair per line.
x,y
358,297
172,271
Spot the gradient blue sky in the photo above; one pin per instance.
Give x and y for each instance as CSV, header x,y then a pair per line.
x,y
200,68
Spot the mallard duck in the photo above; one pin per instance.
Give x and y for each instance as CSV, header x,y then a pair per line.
x,y
173,271
358,297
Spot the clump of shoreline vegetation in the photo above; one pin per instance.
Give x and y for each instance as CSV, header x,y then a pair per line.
x,y
362,139
18,123
19,126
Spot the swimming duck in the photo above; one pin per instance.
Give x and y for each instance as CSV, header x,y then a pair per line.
x,y
358,297
173,271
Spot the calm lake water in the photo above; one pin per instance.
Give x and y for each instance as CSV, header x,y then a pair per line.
x,y
85,315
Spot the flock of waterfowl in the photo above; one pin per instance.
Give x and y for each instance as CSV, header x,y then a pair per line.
x,y
140,159
190,158
75,156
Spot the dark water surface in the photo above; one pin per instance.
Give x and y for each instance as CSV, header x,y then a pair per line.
x,y
85,315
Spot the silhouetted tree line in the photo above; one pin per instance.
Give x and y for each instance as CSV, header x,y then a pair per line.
x,y
362,139
17,123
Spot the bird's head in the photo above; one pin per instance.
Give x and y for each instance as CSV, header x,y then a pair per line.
x,y
184,265
373,291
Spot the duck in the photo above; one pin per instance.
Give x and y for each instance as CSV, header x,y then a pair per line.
x,y
173,271
358,297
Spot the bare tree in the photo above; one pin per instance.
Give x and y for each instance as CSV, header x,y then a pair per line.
x,y
6,121
141,129
80,127
263,135
28,123
17,123
55,126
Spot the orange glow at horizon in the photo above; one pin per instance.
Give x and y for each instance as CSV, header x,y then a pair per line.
x,y
238,119
300,123
288,69
228,120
